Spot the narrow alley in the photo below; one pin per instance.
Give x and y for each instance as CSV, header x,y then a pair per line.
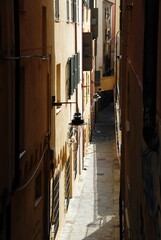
x,y
94,211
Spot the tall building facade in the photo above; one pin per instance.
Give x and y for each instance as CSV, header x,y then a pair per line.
x,y
139,111
26,56
41,88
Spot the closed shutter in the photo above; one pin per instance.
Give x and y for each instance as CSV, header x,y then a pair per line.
x,y
57,9
87,51
78,67
94,22
97,78
70,83
72,75
72,10
91,4
75,11
67,6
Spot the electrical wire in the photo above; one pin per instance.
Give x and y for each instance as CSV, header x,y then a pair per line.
x,y
43,57
22,187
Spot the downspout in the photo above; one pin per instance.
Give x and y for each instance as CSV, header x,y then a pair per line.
x,y
150,73
17,84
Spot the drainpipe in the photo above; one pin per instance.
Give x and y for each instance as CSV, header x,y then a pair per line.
x,y
150,73
17,83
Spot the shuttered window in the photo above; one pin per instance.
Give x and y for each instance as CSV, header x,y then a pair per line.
x,y
56,9
75,11
76,70
97,78
71,78
74,79
87,3
67,9
94,22
72,10
87,51
78,54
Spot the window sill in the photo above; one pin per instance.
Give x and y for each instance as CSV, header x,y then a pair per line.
x,y
57,20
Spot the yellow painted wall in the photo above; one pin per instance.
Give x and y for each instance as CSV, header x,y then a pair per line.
x,y
107,83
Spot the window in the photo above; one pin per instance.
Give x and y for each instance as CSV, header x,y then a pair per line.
x,y
94,22
71,79
97,78
72,10
67,7
67,77
56,9
74,78
87,51
78,55
75,11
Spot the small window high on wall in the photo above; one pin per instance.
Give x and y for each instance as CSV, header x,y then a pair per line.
x,y
67,9
56,9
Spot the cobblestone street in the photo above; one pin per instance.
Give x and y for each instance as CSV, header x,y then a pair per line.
x,y
94,211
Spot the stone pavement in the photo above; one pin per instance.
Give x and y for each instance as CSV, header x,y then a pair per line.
x,y
93,213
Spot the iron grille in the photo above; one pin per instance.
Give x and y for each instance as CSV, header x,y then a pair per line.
x,y
75,161
67,184
56,204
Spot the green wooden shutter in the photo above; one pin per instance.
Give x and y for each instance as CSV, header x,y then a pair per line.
x,y
78,67
70,79
76,70
72,76
57,9
87,51
91,4
88,3
94,22
67,7
75,11
72,10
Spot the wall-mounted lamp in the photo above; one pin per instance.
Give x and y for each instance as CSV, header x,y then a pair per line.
x,y
77,120
96,96
58,104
